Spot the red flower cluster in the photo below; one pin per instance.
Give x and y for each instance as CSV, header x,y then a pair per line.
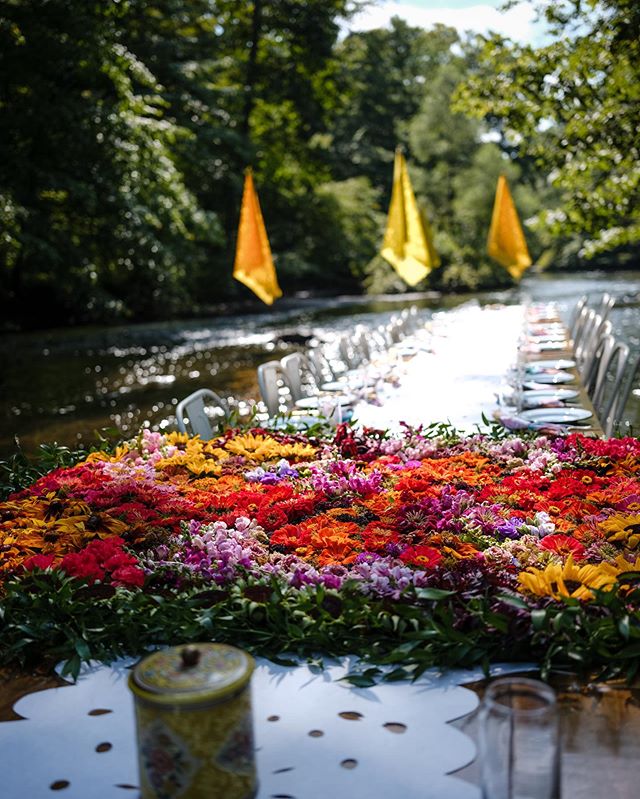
x,y
103,560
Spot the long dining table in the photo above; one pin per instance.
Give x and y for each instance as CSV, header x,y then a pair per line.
x,y
315,734
461,367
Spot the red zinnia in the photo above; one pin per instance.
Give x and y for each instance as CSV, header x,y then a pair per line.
x,y
271,518
421,555
563,545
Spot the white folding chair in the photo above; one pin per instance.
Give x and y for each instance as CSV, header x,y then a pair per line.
x,y
606,304
319,365
193,409
361,343
606,374
275,388
578,316
598,366
614,416
395,328
349,355
301,378
601,329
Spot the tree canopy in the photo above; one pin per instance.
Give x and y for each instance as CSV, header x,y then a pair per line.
x,y
127,125
572,106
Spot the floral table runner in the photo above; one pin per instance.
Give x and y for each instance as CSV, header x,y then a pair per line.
x,y
421,549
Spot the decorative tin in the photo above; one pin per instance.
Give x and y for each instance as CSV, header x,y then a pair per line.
x,y
194,723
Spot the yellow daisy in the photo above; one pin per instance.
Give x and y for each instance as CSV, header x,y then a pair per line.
x,y
568,580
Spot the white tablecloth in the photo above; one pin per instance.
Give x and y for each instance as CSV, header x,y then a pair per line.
x,y
457,374
400,740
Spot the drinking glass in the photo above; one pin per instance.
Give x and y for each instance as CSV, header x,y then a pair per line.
x,y
519,740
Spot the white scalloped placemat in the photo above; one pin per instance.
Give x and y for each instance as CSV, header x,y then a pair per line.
x,y
315,737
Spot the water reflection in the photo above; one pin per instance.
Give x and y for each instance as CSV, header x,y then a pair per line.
x,y
63,385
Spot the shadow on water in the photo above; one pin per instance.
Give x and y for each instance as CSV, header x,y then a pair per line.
x,y
63,385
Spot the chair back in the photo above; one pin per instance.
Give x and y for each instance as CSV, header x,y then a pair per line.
x,y
578,313
194,410
594,374
606,304
579,325
274,386
348,353
613,416
396,331
361,343
299,374
319,365
601,329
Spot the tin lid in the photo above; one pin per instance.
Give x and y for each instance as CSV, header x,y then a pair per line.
x,y
192,674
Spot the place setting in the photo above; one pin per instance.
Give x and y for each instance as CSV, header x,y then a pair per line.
x,y
537,398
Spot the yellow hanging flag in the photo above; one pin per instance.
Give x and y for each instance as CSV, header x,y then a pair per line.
x,y
253,264
408,241
506,242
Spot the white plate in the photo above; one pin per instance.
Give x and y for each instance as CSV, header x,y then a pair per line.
x,y
552,377
541,330
537,366
556,415
308,403
544,338
550,395
334,385
550,345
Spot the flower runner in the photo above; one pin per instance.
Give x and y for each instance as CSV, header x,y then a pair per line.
x,y
421,548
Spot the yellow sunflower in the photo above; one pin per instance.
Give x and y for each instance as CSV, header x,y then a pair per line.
x,y
192,456
263,448
622,528
568,580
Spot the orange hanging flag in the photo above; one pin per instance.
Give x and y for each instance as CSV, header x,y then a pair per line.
x,y
253,264
506,242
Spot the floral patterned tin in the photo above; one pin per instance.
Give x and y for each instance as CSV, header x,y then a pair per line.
x,y
194,723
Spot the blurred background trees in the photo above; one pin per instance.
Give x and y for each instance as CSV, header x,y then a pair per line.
x,y
126,127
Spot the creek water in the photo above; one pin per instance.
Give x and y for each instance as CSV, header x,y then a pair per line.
x,y
64,385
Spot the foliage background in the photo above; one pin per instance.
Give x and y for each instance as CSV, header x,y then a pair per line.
x,y
126,126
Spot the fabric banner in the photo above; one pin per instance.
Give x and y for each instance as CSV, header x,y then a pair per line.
x,y
253,263
506,243
408,240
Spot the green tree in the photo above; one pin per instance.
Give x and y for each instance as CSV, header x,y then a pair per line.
x,y
99,217
572,106
383,75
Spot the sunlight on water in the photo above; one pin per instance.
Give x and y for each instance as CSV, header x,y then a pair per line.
x,y
63,385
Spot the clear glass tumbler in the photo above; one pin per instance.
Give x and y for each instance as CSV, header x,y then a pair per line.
x,y
519,743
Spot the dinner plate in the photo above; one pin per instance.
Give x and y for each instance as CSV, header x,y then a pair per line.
x,y
540,366
334,385
543,338
550,345
549,395
541,330
307,403
549,377
556,415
